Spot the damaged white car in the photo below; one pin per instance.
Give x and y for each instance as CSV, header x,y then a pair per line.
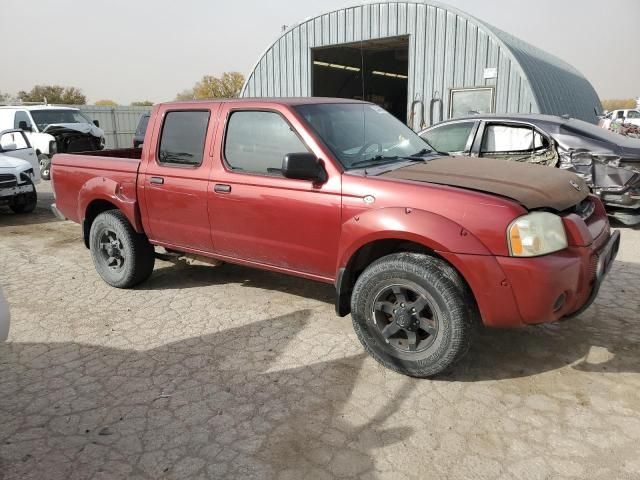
x,y
19,172
52,129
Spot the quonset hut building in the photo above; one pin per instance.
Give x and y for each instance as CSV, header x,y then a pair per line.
x,y
421,60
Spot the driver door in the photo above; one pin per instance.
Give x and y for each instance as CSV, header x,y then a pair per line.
x,y
258,216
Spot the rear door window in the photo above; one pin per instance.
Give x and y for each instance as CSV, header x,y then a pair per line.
x,y
257,141
506,139
183,137
450,138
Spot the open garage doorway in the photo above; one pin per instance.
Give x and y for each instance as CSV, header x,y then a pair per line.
x,y
373,70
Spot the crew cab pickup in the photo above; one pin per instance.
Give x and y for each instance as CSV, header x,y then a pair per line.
x,y
421,248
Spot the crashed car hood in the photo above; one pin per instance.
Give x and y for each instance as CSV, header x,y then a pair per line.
x,y
61,128
533,186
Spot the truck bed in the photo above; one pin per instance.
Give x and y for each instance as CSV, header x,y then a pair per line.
x,y
106,175
135,153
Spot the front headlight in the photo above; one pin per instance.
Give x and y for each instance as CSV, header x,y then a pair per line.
x,y
537,233
53,148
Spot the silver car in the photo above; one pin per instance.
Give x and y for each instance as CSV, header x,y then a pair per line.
x,y
4,317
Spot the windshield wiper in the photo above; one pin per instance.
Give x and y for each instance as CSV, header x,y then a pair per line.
x,y
377,160
419,155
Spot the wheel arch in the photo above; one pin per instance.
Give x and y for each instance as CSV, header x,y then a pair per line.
x,y
418,231
100,194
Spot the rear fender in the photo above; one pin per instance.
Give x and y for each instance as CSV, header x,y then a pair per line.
x,y
121,194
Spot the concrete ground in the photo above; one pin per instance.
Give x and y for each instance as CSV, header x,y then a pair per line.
x,y
234,373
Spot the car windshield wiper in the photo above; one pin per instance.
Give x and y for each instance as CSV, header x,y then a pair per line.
x,y
377,160
419,155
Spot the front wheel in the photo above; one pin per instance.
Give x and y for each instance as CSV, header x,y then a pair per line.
x,y
45,167
413,313
122,256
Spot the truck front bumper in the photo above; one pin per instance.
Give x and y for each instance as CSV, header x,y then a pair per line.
x,y
512,291
17,190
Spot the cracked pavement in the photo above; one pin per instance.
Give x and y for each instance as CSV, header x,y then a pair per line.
x,y
229,372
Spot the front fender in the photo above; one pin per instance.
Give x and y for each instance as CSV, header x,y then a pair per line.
x,y
121,194
425,228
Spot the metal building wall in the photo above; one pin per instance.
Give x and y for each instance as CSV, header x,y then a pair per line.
x,y
447,49
119,123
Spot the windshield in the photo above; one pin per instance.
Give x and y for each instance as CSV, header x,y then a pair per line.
x,y
361,134
142,125
43,118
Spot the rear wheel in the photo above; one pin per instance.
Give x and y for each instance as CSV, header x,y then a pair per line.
x,y
413,313
122,256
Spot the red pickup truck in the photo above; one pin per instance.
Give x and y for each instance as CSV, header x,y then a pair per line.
x,y
421,249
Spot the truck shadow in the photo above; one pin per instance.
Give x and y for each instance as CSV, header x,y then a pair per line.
x,y
180,275
229,403
602,339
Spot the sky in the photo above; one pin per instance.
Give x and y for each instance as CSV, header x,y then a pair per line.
x,y
128,50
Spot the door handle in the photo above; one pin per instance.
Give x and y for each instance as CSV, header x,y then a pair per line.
x,y
156,180
221,188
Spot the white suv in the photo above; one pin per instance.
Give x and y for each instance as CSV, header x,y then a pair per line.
x,y
52,129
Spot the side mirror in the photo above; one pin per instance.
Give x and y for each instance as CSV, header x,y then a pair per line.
x,y
22,125
303,166
96,123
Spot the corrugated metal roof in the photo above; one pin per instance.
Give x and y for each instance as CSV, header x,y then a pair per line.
x,y
558,87
447,49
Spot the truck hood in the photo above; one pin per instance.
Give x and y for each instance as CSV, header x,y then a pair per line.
x,y
62,128
533,186
11,164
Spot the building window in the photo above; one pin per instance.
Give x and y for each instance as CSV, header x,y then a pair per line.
x,y
471,101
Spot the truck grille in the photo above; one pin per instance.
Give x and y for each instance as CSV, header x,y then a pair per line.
x,y
7,180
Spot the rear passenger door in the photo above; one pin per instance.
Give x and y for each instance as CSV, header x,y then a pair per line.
x,y
175,177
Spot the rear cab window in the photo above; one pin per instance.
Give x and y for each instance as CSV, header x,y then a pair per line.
x,y
183,137
256,141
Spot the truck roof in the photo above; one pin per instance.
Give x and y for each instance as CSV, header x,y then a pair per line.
x,y
36,107
272,100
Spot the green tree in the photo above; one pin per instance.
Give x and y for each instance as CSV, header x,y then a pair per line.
x,y
616,104
106,103
142,103
4,97
228,85
185,95
54,94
